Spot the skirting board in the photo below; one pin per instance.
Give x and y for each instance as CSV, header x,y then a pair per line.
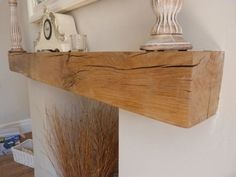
x,y
25,126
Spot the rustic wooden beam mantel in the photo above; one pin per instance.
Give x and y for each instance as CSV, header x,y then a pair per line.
x,y
180,88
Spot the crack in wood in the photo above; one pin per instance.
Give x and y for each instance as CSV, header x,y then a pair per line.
x,y
68,57
189,91
52,55
143,68
71,79
137,55
179,95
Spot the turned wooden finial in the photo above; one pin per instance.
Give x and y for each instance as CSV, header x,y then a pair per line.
x,y
16,38
167,33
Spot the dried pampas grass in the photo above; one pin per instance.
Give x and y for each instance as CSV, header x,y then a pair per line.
x,y
84,143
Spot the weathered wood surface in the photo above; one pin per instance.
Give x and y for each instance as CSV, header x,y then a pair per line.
x,y
180,88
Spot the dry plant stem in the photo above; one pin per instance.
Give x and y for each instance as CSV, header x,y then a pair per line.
x,y
84,143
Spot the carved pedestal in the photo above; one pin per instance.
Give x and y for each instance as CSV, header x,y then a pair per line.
x,y
16,38
167,33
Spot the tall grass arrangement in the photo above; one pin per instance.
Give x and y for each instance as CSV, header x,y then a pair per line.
x,y
83,142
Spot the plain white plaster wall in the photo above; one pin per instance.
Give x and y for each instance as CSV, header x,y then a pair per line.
x,y
14,103
150,148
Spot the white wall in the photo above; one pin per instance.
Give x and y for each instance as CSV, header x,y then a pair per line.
x,y
14,104
150,148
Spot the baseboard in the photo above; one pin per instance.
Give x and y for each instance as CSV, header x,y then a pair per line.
x,y
25,126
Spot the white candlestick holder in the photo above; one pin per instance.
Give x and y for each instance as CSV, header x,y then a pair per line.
x,y
16,37
167,33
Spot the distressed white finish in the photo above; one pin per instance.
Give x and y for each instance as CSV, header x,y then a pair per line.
x,y
166,12
36,11
167,32
16,38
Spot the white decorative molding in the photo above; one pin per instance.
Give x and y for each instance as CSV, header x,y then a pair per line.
x,y
16,37
25,126
36,11
167,33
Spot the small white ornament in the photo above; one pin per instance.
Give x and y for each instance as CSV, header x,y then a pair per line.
x,y
55,33
79,43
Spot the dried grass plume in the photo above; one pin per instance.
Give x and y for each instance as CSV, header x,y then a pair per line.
x,y
83,142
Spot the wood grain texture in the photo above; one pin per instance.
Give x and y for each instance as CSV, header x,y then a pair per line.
x,y
9,168
180,88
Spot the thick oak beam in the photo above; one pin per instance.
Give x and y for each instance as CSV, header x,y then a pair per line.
x,y
180,88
